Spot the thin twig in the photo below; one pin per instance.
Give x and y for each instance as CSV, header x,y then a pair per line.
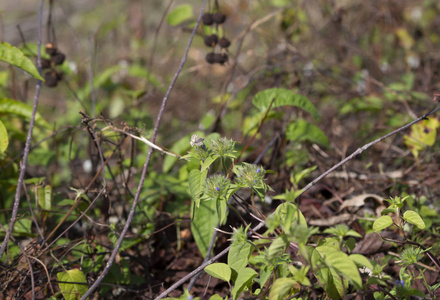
x,y
365,147
28,141
143,140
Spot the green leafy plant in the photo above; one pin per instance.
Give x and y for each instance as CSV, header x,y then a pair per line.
x,y
395,208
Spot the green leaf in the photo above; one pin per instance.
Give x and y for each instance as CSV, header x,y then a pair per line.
x,y
22,227
195,182
44,197
281,288
180,147
141,72
13,56
180,14
283,97
300,275
390,209
302,174
202,227
14,107
265,273
238,255
288,214
219,270
414,218
277,247
301,130
222,210
208,162
382,223
244,279
339,261
4,139
72,289
335,286
361,261
368,103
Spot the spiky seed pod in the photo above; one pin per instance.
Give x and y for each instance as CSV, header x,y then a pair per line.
x,y
45,63
50,79
207,19
219,18
58,58
221,58
51,49
211,40
59,75
210,57
224,42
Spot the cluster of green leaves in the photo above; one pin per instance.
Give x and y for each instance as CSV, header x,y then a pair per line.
x,y
395,207
329,264
334,270
273,269
211,193
410,256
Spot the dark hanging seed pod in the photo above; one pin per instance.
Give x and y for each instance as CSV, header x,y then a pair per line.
x,y
50,79
219,18
59,75
221,58
45,63
210,57
58,58
51,49
224,42
207,19
211,40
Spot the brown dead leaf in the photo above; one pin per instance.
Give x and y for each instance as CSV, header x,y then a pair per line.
x,y
333,220
373,243
359,201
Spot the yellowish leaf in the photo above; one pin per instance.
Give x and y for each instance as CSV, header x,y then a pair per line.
x,y
422,134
